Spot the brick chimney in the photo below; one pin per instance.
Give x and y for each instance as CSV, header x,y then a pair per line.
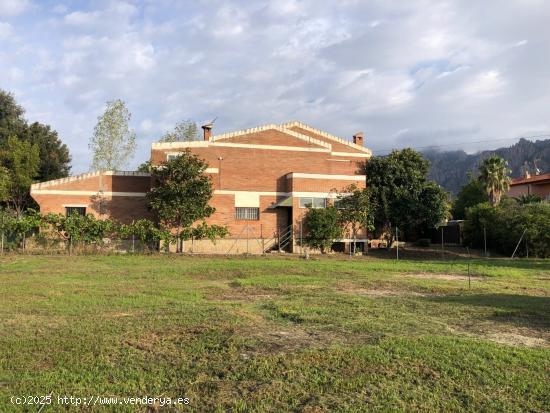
x,y
207,131
358,138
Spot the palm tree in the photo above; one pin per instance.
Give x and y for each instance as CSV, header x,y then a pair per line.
x,y
494,174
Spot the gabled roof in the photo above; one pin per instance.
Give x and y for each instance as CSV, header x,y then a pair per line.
x,y
311,136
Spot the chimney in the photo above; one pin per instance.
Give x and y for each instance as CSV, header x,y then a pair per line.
x,y
358,138
207,131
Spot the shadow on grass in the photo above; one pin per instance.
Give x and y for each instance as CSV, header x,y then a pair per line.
x,y
521,310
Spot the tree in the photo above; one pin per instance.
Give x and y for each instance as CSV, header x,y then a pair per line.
x,y
144,167
55,161
184,131
12,122
181,196
355,209
471,194
22,161
494,175
113,143
322,227
402,193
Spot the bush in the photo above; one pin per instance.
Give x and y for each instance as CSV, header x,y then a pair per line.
x,y
322,226
505,225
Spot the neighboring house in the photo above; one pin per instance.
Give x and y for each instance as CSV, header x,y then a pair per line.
x,y
264,178
533,185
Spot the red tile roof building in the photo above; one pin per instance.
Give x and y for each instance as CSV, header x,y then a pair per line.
x,y
534,185
263,178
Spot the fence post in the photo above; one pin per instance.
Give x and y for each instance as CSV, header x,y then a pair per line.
x,y
397,241
262,237
301,240
442,244
2,244
520,238
133,244
485,240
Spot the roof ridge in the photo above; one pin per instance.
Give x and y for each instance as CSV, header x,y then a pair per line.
x,y
325,134
86,175
269,126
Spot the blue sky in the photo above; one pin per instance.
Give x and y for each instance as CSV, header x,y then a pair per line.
x,y
414,73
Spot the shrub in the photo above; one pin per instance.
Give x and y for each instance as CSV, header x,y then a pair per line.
x,y
322,226
505,225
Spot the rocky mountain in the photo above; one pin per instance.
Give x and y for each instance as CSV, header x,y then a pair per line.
x,y
450,168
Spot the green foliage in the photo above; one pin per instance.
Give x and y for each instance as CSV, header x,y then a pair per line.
x,y
113,143
322,225
355,209
144,167
181,196
80,228
21,159
402,194
5,184
528,199
55,161
494,175
146,232
184,131
12,122
504,225
470,195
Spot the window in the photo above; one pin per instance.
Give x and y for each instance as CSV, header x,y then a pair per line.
x,y
75,210
313,202
171,156
247,213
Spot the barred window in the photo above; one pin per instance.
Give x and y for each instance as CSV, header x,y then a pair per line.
x,y
313,202
75,210
247,213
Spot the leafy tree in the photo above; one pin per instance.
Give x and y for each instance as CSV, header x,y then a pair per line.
x,y
322,227
22,161
181,195
113,143
402,194
471,194
494,175
184,131
12,122
355,210
55,161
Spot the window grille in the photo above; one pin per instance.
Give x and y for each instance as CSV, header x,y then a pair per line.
x,y
247,213
75,210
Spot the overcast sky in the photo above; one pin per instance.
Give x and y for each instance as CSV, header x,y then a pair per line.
x,y
407,73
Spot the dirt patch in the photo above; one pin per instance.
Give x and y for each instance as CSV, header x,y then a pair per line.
x,y
515,339
381,292
443,276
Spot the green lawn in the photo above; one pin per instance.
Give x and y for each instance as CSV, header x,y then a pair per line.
x,y
276,334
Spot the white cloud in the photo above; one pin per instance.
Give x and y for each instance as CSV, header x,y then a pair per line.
x,y
6,31
414,72
13,7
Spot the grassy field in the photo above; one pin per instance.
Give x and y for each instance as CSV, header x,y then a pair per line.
x,y
276,334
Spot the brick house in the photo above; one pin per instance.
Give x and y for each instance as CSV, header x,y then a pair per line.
x,y
263,178
532,185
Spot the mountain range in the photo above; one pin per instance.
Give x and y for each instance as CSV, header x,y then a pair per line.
x,y
450,168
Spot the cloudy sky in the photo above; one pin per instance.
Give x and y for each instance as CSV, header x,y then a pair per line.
x,y
408,73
